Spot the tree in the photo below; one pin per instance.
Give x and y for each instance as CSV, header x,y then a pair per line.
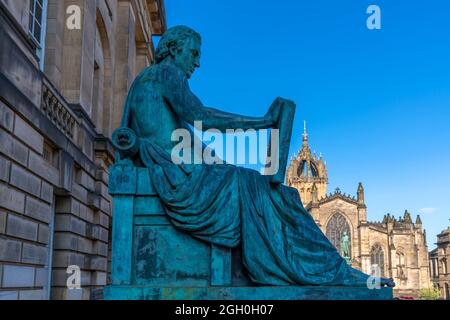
x,y
430,294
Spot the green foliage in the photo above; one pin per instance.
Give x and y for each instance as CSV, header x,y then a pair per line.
x,y
430,294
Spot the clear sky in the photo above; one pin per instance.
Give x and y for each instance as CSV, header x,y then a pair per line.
x,y
377,102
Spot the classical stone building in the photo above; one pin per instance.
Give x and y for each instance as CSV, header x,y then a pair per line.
x,y
397,246
62,88
440,264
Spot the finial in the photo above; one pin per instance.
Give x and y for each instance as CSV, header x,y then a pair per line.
x,y
418,220
407,217
360,193
305,135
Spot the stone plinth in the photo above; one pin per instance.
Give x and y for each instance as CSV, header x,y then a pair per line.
x,y
246,293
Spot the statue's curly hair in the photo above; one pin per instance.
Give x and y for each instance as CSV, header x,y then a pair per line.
x,y
174,36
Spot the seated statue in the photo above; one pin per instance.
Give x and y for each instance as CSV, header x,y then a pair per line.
x,y
224,204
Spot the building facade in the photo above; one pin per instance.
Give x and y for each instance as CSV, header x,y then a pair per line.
x,y
396,245
65,69
439,264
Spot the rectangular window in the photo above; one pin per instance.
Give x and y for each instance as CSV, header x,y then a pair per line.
x,y
37,27
77,174
51,154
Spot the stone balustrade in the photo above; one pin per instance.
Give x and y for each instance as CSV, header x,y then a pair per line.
x,y
58,111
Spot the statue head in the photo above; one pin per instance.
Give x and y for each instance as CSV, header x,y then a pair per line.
x,y
181,45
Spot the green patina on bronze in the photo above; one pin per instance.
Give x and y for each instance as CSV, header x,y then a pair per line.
x,y
210,226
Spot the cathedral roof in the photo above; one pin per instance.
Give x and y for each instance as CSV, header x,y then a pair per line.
x,y
338,195
400,223
444,232
444,237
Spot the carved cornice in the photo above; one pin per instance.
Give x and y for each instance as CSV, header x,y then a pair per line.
x,y
58,111
103,145
157,16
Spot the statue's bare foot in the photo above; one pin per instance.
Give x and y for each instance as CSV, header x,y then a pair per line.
x,y
389,282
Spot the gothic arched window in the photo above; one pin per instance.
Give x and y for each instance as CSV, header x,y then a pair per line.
x,y
444,266
401,266
336,227
304,170
103,85
377,257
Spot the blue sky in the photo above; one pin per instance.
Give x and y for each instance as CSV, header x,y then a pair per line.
x,y
377,102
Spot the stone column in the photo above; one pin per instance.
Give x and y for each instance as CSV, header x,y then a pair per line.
x,y
54,41
125,58
78,52
142,56
314,209
364,248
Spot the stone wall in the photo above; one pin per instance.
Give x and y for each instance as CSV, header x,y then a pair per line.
x,y
55,210
26,200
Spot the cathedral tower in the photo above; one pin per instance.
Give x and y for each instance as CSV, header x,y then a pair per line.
x,y
308,174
